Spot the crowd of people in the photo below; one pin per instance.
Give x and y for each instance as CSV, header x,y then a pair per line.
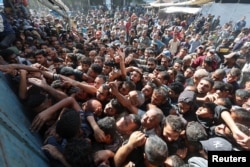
x,y
130,89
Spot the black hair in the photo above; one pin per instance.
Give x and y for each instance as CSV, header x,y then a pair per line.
x,y
180,78
129,84
219,85
6,53
175,122
78,152
165,75
107,124
208,79
69,124
226,102
242,116
242,93
86,60
96,68
177,87
195,132
41,52
117,106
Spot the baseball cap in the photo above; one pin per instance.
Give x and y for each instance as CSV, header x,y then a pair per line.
x,y
216,144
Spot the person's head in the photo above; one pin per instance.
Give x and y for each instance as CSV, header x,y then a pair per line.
x,y
174,161
200,49
224,131
218,88
136,98
240,115
187,101
78,152
151,64
159,96
178,65
94,70
182,53
198,74
152,118
233,75
126,87
113,108
107,67
68,72
69,44
36,100
206,110
173,127
99,60
85,63
99,80
92,55
102,93
156,150
226,102
189,72
41,57
205,85
148,89
148,53
172,73
195,132
9,56
175,90
218,75
163,77
210,53
136,76
247,85
68,126
241,96
158,69
180,78
165,61
128,124
231,58
207,64
108,126
93,106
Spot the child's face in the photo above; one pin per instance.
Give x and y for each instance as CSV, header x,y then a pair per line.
x,y
204,112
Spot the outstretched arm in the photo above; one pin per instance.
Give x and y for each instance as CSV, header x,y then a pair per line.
x,y
122,99
57,94
84,86
47,114
136,139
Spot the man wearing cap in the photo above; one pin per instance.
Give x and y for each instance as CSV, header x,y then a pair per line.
x,y
229,62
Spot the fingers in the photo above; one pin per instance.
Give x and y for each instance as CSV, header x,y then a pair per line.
x,y
137,139
37,124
